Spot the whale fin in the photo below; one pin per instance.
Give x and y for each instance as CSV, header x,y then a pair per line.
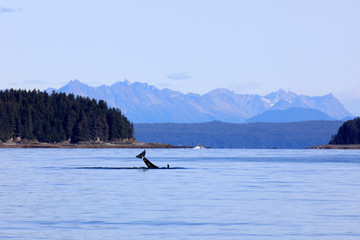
x,y
146,161
141,155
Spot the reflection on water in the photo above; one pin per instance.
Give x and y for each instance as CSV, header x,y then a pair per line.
x,y
206,194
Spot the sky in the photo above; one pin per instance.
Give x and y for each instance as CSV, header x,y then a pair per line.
x,y
310,47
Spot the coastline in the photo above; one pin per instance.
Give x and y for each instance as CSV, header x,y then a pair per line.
x,y
331,146
66,145
90,145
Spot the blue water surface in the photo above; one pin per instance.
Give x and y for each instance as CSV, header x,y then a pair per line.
x,y
206,194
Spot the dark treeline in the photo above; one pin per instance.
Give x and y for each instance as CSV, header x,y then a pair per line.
x,y
36,115
348,133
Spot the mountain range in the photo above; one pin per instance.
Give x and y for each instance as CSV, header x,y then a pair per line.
x,y
144,103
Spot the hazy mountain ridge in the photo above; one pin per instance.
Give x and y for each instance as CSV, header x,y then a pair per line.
x,y
143,103
290,115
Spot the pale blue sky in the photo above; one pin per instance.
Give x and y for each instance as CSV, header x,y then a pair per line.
x,y
310,47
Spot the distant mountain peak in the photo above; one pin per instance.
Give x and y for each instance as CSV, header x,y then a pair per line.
x,y
138,85
121,83
144,86
281,92
75,82
76,87
220,91
281,98
330,95
295,114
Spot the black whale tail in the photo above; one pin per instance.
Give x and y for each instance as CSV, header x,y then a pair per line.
x,y
141,155
146,161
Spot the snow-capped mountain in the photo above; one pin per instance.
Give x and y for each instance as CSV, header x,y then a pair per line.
x,y
143,103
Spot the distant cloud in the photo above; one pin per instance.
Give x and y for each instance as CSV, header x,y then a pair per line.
x,y
8,10
179,76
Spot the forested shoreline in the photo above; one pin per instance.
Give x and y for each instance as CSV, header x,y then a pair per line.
x,y
348,133
57,117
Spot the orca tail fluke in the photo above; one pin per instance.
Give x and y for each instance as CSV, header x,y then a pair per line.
x,y
141,155
146,161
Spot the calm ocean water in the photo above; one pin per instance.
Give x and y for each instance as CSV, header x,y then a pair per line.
x,y
211,194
